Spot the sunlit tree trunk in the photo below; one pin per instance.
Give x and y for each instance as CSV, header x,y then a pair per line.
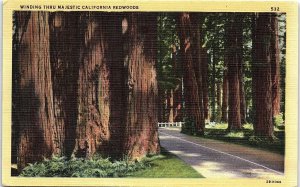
x,y
192,100
92,131
141,131
275,66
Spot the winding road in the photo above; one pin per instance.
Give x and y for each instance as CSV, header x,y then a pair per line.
x,y
217,159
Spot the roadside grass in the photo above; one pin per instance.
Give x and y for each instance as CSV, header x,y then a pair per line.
x,y
246,137
164,165
167,165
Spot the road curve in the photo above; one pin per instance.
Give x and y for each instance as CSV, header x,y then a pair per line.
x,y
217,159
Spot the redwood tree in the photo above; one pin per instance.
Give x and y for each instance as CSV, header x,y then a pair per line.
x,y
192,101
35,107
92,131
275,66
204,65
262,80
232,32
141,131
224,117
64,52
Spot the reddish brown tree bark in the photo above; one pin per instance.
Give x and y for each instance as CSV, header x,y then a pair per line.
x,y
241,70
141,133
204,66
192,100
64,52
92,131
262,80
35,112
219,102
232,33
224,117
197,22
275,66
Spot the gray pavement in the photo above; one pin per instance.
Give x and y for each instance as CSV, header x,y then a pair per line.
x,y
217,159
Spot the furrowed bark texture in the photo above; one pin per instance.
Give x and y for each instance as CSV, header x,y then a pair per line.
x,y
197,22
117,91
192,100
275,66
64,51
263,124
35,89
141,132
92,131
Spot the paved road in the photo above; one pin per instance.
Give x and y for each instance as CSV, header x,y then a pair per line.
x,y
216,159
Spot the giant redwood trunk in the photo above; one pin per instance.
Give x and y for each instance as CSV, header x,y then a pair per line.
x,y
92,131
275,66
241,69
171,106
64,51
262,80
192,100
141,131
35,107
219,102
197,24
224,117
242,96
232,33
204,65
117,89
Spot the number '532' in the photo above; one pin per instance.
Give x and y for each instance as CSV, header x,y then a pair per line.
x,y
274,8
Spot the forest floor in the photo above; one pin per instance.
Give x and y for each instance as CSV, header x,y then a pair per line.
x,y
246,137
167,165
215,159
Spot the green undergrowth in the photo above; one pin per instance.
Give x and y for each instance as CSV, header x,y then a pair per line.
x,y
162,165
167,165
246,137
79,167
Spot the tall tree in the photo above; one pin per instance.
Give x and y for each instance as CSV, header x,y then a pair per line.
x,y
64,58
204,65
262,81
241,69
198,21
224,117
192,100
275,65
141,133
35,107
213,86
117,35
233,31
92,131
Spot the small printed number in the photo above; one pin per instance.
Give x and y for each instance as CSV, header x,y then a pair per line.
x,y
274,8
273,181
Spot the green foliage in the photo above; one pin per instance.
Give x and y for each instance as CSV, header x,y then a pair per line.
x,y
246,137
189,126
79,167
278,120
167,165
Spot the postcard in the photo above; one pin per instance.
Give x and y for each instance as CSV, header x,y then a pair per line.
x,y
150,93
